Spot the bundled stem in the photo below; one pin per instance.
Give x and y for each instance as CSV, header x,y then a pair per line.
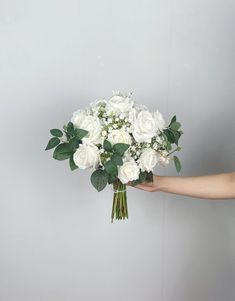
x,y
119,210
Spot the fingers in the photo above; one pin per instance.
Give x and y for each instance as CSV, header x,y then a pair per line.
x,y
143,186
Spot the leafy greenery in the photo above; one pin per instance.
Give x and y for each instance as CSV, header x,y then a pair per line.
x,y
175,126
53,142
99,179
80,133
144,176
177,163
56,132
172,133
111,168
63,151
120,148
116,159
107,146
72,164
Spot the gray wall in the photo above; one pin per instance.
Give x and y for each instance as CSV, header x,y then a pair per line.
x,y
56,239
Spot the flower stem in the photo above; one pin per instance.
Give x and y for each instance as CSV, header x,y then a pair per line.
x,y
119,209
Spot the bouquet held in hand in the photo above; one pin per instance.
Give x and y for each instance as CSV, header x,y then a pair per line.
x,y
120,141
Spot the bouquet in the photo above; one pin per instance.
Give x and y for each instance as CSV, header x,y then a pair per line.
x,y
120,141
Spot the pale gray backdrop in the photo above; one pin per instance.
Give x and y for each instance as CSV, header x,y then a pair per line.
x,y
56,239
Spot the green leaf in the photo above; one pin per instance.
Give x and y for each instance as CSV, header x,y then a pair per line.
x,y
72,164
176,137
175,125
116,159
111,168
149,177
111,179
107,146
63,151
173,119
80,133
53,142
120,148
75,142
70,127
141,179
168,146
56,132
170,135
177,163
99,179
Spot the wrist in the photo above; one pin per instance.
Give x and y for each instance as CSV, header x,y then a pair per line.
x,y
158,182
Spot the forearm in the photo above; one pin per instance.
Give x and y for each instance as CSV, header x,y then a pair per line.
x,y
217,186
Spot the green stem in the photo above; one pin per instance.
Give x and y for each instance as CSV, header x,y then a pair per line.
x,y
119,209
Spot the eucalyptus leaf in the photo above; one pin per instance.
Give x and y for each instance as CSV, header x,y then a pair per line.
x,y
56,132
80,133
70,127
107,146
111,168
63,151
177,163
120,148
99,179
111,179
53,142
173,119
170,135
176,137
175,125
149,177
117,159
75,142
72,164
141,179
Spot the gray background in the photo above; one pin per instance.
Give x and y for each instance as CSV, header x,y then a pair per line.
x,y
56,239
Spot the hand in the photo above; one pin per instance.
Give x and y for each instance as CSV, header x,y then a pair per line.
x,y
148,186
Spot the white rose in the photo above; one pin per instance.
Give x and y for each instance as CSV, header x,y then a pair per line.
x,y
78,117
129,171
89,123
119,104
144,127
86,156
148,159
132,115
119,136
159,120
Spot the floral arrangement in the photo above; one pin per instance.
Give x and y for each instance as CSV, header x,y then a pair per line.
x,y
120,141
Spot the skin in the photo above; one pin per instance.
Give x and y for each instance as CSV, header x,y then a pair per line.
x,y
214,186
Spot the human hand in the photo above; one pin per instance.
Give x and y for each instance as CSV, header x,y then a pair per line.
x,y
148,186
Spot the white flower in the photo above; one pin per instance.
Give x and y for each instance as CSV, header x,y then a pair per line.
x,y
140,107
86,156
119,103
132,115
148,159
144,127
98,103
119,136
159,120
129,171
78,117
89,123
164,159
